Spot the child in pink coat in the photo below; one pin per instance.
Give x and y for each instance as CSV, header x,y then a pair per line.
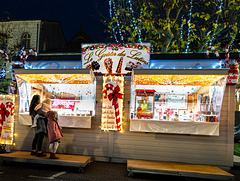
x,y
54,133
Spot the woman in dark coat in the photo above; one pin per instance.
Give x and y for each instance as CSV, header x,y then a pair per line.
x,y
39,135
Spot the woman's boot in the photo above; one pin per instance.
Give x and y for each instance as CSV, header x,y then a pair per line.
x,y
54,156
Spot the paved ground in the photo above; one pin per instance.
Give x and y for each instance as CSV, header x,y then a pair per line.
x,y
96,171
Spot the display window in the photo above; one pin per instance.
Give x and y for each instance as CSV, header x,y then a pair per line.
x,y
72,92
180,96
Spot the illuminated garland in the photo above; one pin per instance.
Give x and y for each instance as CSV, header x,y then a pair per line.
x,y
115,47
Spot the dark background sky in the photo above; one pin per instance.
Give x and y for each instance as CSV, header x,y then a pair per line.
x,y
70,13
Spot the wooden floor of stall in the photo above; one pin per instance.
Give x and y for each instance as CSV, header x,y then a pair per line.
x,y
177,169
64,160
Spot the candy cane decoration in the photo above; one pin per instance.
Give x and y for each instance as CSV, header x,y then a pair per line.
x,y
6,55
11,106
107,87
216,53
24,55
227,55
114,96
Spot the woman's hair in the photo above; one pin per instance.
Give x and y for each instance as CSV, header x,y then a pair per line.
x,y
35,101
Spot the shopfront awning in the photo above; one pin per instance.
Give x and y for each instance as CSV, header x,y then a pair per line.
x,y
184,77
55,76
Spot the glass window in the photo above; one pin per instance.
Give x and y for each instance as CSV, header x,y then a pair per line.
x,y
26,39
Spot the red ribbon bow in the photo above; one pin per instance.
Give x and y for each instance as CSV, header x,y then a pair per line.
x,y
115,95
3,113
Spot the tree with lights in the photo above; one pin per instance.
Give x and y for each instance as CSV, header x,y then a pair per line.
x,y
179,26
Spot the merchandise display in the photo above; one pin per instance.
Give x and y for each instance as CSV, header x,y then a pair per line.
x,y
72,94
183,97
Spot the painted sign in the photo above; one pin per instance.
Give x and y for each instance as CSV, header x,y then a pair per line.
x,y
64,103
115,59
13,87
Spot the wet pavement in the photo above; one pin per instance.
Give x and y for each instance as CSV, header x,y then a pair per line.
x,y
95,171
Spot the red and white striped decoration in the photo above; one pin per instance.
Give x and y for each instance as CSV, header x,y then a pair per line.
x,y
215,51
227,55
114,96
24,55
107,87
6,56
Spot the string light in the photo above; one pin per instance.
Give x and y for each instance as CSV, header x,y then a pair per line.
x,y
140,26
181,27
216,24
230,48
110,13
134,22
189,26
118,24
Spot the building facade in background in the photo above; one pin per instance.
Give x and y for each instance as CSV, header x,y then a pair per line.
x,y
40,35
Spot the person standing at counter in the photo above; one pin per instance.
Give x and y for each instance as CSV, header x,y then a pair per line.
x,y
37,140
54,133
41,128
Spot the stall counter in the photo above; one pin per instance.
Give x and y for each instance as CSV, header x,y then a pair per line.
x,y
64,121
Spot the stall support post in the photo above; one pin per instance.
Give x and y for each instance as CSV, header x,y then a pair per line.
x,y
231,121
110,144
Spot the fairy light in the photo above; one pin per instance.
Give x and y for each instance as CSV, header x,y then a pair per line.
x,y
216,24
139,28
189,27
118,24
110,13
182,27
106,108
230,48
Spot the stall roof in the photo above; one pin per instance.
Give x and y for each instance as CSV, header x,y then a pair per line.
x,y
223,71
55,76
193,77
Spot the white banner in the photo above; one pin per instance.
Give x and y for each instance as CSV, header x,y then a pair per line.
x,y
115,59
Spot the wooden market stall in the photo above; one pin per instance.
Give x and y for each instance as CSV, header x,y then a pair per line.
x,y
191,147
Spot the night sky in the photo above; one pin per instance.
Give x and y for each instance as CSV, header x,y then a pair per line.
x,y
71,14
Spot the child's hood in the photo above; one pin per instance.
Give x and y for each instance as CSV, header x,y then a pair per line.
x,y
50,115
